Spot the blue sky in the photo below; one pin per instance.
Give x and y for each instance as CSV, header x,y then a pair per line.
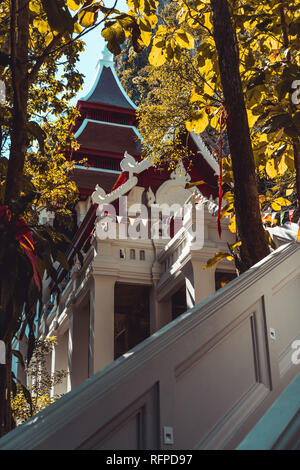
x,y
90,57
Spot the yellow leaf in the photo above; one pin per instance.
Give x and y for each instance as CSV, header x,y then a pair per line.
x,y
282,201
273,43
276,206
77,28
184,39
262,198
196,183
195,96
157,56
214,120
251,118
146,29
199,123
232,247
270,168
228,196
282,166
207,20
207,67
146,37
232,225
289,192
41,25
227,210
247,25
73,4
35,6
86,18
208,88
218,257
152,19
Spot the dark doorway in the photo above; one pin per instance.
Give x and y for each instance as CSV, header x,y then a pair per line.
x,y
222,278
132,316
179,302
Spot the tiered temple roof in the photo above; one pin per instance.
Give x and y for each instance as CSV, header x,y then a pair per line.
x,y
107,128
105,131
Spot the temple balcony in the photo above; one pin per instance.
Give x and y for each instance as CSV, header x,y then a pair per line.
x,y
183,259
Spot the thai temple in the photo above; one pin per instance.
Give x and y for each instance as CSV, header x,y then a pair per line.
x,y
161,352
127,289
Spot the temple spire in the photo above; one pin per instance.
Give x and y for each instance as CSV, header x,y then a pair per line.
x,y
106,57
107,89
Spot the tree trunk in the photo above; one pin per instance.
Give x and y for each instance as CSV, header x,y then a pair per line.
x,y
6,421
19,32
248,218
2,398
19,29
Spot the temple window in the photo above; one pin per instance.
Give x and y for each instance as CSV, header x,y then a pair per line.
x,y
142,255
132,254
132,316
122,254
179,305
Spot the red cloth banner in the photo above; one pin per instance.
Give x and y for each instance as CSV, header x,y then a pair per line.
x,y
24,237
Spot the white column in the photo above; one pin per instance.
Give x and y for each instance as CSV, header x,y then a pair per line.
x,y
78,348
101,322
189,287
160,312
52,368
61,361
204,280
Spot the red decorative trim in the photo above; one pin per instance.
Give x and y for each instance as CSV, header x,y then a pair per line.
x,y
99,153
221,174
121,180
99,106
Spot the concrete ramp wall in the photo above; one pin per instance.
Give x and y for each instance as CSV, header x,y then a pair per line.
x,y
202,382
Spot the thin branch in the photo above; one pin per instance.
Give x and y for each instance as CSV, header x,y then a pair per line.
x,y
49,50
